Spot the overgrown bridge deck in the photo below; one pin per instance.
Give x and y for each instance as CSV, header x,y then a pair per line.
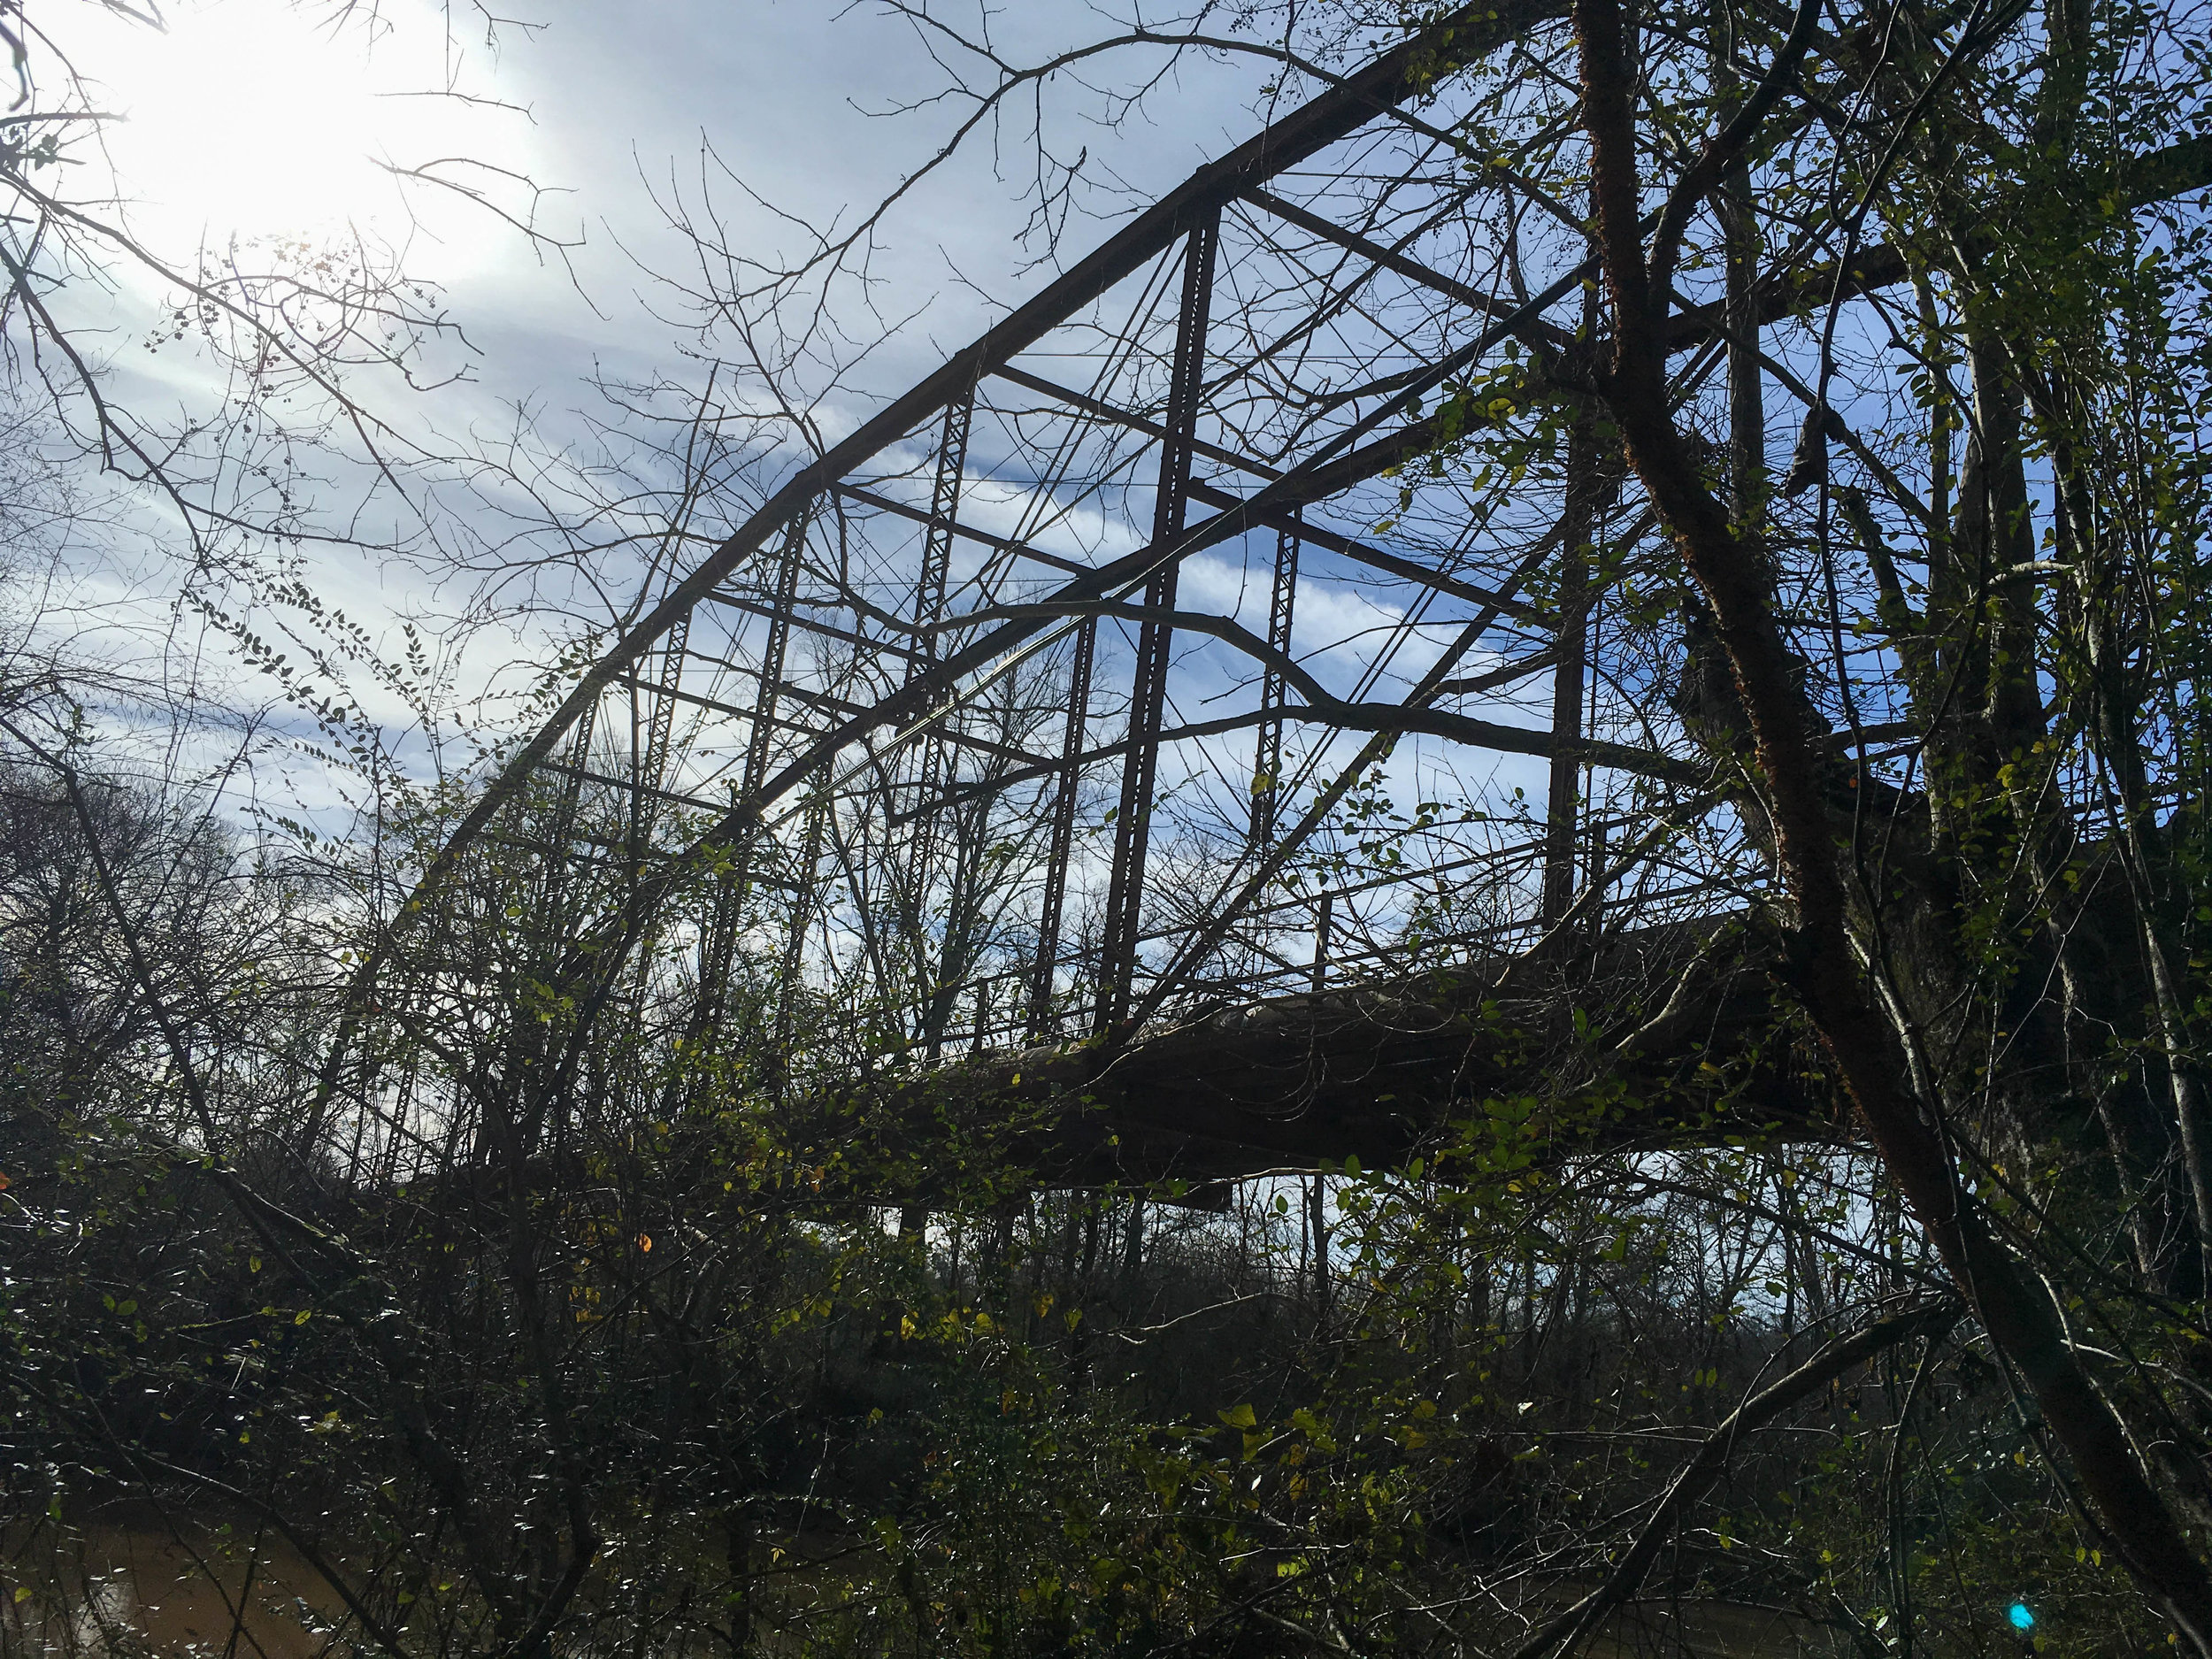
x,y
1377,1073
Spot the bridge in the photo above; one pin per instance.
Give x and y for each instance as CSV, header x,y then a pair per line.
x,y
1150,708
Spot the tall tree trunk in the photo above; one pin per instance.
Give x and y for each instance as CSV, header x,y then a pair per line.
x,y
2015,1312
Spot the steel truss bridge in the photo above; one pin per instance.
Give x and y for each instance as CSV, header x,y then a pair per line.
x,y
1052,701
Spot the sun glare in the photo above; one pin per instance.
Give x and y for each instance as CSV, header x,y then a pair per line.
x,y
255,117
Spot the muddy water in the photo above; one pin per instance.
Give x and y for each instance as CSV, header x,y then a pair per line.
x,y
129,1587
1710,1631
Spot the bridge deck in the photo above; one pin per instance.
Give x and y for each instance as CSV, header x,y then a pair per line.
x,y
1675,1048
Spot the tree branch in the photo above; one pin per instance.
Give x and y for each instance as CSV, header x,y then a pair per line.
x,y
1712,1457
1826,971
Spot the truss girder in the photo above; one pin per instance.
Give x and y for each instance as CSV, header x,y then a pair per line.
x,y
931,670
1267,766
1147,698
1468,33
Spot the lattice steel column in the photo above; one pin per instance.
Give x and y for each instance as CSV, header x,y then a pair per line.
x,y
559,879
787,984
1323,925
720,943
934,756
1125,894
1267,767
944,509
759,743
1061,846
648,768
1569,672
580,742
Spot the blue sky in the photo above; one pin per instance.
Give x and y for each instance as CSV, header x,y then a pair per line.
x,y
261,119
760,116
248,118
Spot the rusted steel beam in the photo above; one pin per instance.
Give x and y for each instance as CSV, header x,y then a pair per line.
x,y
1286,519
965,532
1135,422
1148,697
1411,269
1268,758
1060,851
1467,33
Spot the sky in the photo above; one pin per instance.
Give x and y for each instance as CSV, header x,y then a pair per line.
x,y
263,117
260,117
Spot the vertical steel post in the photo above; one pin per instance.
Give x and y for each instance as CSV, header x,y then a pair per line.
x,y
564,816
1124,894
647,770
760,741
1060,846
944,510
788,983
648,778
720,943
1267,766
933,754
579,741
1323,924
1569,672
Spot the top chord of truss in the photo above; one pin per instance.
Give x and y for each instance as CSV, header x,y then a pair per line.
x,y
1029,704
